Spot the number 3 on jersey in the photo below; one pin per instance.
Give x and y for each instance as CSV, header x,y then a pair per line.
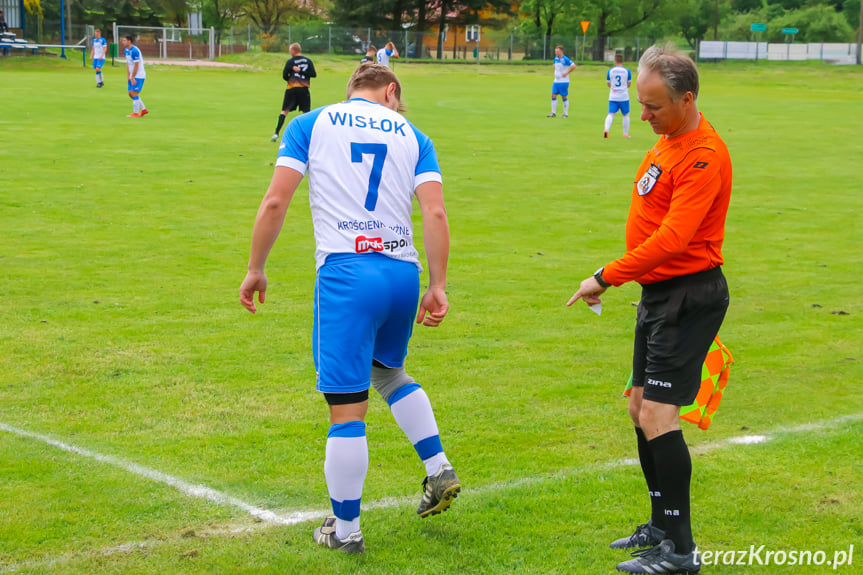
x,y
379,151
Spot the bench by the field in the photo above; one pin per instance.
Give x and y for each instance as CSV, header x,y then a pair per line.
x,y
10,44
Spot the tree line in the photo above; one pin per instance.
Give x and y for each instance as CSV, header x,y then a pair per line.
x,y
816,20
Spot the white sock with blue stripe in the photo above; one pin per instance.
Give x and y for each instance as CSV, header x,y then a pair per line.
x,y
345,468
413,412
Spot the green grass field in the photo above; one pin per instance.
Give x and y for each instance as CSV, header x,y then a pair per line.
x,y
124,242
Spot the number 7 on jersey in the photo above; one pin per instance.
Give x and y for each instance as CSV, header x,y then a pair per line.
x,y
379,151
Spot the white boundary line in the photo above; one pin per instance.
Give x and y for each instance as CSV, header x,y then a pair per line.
x,y
269,518
200,491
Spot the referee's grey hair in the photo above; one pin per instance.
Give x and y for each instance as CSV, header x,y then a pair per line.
x,y
676,68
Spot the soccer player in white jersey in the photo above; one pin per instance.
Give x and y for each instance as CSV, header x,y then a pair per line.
x,y
387,52
135,75
97,55
618,79
562,68
365,162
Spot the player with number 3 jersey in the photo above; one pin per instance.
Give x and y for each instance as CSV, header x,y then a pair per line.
x,y
618,79
365,162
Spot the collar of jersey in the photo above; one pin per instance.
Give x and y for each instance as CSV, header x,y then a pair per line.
x,y
363,100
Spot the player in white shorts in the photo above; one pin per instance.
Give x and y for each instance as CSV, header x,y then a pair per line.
x,y
365,163
618,79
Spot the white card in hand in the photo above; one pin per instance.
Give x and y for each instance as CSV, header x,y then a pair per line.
x,y
596,308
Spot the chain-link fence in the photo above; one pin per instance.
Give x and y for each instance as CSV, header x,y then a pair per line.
x,y
453,43
456,44
48,31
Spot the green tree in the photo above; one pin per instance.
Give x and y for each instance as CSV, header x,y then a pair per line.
x,y
544,13
819,23
268,15
175,11
221,14
696,19
747,5
851,9
613,17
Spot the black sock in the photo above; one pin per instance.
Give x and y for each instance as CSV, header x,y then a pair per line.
x,y
657,514
673,473
281,123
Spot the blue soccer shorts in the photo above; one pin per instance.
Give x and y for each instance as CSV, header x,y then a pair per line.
x,y
365,306
561,88
98,63
623,106
136,86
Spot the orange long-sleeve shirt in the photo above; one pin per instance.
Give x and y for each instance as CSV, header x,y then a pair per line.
x,y
676,221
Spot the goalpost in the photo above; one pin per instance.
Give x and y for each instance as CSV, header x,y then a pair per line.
x,y
167,42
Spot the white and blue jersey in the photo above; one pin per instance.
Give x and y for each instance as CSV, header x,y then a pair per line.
x,y
100,48
364,163
618,79
384,57
133,55
561,65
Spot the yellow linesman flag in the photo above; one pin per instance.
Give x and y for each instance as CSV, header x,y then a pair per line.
x,y
714,378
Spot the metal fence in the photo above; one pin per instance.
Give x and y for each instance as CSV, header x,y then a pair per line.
x,y
458,44
489,46
453,45
48,31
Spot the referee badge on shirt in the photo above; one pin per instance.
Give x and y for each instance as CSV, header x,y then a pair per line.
x,y
648,180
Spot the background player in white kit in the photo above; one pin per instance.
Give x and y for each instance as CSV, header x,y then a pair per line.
x,y
135,75
618,79
365,163
387,52
97,55
562,67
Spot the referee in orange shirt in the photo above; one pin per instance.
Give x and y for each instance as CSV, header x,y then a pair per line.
x,y
674,235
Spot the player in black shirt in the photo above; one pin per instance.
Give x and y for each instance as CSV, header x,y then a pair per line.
x,y
370,55
298,73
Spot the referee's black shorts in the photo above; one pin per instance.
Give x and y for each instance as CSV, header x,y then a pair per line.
x,y
677,321
298,97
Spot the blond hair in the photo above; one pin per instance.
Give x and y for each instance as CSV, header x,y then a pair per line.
x,y
370,76
295,47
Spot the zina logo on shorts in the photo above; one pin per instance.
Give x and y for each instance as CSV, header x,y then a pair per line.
x,y
365,244
658,383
